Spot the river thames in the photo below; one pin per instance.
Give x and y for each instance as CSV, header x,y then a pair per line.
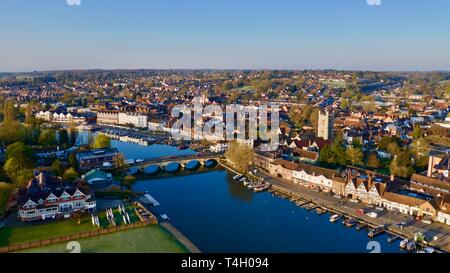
x,y
220,215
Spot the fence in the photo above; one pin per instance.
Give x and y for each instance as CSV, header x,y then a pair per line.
x,y
68,238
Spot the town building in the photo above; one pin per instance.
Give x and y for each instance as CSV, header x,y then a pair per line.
x,y
108,117
99,159
133,119
47,197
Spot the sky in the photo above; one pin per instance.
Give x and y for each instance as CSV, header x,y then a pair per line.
x,y
224,34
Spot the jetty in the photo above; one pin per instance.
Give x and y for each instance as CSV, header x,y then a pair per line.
x,y
148,199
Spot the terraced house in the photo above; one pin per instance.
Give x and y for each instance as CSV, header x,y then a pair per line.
x,y
47,197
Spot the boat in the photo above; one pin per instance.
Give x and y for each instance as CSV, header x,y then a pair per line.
x,y
237,177
165,217
350,222
375,231
321,211
429,250
411,246
372,215
183,147
392,239
361,226
403,243
129,161
335,218
261,187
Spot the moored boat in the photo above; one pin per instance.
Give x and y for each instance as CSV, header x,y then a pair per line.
x,y
361,226
403,243
335,218
375,231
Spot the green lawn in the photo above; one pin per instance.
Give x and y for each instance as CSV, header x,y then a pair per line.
x,y
33,232
149,239
333,83
38,231
445,82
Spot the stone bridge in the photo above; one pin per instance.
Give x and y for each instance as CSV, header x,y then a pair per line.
x,y
182,160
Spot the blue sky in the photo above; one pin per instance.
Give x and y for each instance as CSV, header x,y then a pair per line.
x,y
260,34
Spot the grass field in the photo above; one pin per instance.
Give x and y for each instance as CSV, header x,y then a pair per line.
x,y
41,231
333,83
150,239
32,232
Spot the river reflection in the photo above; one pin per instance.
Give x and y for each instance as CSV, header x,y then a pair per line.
x,y
220,215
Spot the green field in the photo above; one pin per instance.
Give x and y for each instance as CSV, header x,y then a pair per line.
x,y
33,232
40,231
333,83
150,239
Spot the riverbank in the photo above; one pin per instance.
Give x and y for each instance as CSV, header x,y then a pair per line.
x,y
180,237
349,209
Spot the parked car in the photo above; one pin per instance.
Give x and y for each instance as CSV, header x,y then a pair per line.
x,y
400,225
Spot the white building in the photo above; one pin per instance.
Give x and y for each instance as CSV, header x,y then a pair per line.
x,y
137,120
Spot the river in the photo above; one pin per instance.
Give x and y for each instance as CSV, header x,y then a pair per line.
x,y
220,215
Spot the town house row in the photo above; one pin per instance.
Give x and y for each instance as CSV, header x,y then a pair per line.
x,y
370,188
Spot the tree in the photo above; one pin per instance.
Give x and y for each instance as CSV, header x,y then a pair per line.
x,y
5,191
22,153
12,167
57,168
340,154
63,138
355,155
48,138
101,142
70,175
128,180
9,112
385,141
241,155
373,161
326,155
402,164
73,161
417,132
393,148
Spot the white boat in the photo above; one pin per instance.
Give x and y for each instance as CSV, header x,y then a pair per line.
x,y
411,246
237,177
429,250
165,217
139,160
372,215
403,243
335,218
